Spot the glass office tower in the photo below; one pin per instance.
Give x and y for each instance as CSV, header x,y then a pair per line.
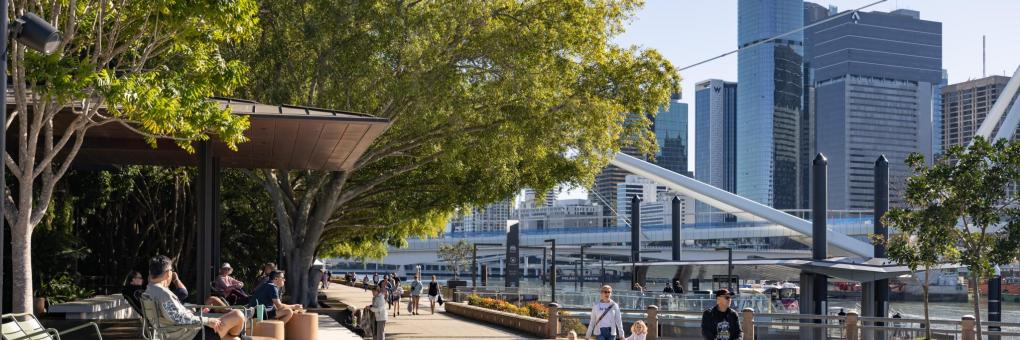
x,y
769,101
670,126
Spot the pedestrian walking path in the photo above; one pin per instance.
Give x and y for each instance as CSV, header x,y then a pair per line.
x,y
425,326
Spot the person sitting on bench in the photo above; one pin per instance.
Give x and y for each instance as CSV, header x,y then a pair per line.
x,y
232,289
268,295
226,327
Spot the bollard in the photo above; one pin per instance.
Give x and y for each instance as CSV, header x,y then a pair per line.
x,y
552,327
747,323
851,325
652,322
967,327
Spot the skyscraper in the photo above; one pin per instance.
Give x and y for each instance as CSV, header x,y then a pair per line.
x,y
769,101
492,217
670,126
873,74
965,105
635,185
936,115
715,159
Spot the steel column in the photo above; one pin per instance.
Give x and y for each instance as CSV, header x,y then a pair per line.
x,y
208,208
677,219
635,237
881,287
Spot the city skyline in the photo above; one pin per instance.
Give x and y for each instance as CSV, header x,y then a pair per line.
x,y
677,30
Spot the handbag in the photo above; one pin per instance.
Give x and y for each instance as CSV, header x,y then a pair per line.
x,y
440,299
410,308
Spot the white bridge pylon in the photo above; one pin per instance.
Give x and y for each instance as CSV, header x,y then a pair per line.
x,y
732,203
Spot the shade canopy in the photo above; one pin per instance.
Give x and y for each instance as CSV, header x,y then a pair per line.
x,y
280,137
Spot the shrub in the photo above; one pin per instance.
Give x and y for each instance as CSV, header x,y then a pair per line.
x,y
568,324
537,310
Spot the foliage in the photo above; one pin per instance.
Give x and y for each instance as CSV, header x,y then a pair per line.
x,y
485,98
147,66
532,309
925,232
62,288
103,224
964,209
456,255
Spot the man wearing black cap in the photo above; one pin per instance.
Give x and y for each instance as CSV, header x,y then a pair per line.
x,y
720,322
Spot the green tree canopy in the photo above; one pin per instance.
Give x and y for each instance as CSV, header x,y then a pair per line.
x,y
150,66
486,98
965,209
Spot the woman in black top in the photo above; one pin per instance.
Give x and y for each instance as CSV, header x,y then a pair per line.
x,y
133,284
433,293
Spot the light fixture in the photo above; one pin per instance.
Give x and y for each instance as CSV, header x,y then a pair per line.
x,y
36,33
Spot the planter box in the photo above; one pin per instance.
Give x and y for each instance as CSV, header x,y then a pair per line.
x,y
526,324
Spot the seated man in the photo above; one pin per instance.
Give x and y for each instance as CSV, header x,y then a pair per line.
x,y
263,277
268,295
232,288
227,326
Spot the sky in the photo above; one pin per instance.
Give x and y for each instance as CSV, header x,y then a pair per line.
x,y
689,31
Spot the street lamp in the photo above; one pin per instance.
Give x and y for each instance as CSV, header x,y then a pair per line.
x,y
729,266
552,276
37,34
474,261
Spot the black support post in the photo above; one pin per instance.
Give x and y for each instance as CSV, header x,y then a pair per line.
x,y
677,220
994,303
552,274
474,266
881,199
635,237
208,210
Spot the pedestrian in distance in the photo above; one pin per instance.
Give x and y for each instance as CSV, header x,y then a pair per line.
x,y
720,322
606,319
379,312
416,287
433,293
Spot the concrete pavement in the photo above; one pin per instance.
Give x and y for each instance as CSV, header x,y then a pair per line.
x,y
425,326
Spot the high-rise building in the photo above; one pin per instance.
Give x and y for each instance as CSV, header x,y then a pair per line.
x,y
571,213
873,75
492,217
936,115
965,105
670,126
660,211
635,185
531,198
715,157
769,101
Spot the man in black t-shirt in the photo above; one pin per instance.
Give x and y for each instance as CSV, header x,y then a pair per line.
x,y
721,322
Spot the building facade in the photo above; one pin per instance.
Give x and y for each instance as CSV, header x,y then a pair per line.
x,y
660,212
873,75
936,116
634,185
670,126
715,157
769,101
571,213
492,217
965,106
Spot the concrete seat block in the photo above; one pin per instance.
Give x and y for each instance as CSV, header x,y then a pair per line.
x,y
304,326
270,328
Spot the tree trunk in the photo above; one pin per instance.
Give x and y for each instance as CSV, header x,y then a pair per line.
x,y
927,320
21,265
977,302
298,265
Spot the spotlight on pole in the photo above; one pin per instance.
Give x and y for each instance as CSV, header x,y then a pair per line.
x,y
36,33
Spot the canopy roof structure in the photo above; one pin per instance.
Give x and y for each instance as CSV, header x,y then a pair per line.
x,y
847,268
280,137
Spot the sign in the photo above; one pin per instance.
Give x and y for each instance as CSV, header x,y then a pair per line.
x,y
513,255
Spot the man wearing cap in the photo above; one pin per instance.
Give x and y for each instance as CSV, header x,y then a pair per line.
x,y
231,287
720,322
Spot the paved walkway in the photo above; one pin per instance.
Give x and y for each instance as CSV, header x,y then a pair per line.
x,y
425,326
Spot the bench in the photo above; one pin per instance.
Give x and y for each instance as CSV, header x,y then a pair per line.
x,y
100,307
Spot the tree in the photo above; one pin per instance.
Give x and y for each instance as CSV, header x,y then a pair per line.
x,y
970,189
925,231
485,98
456,255
150,66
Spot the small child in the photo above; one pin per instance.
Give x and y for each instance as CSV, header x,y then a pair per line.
x,y
572,335
638,331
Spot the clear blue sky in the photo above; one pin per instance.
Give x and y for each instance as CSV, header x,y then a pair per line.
x,y
688,31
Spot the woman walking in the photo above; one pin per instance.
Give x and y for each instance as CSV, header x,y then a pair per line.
x,y
433,293
606,320
416,288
